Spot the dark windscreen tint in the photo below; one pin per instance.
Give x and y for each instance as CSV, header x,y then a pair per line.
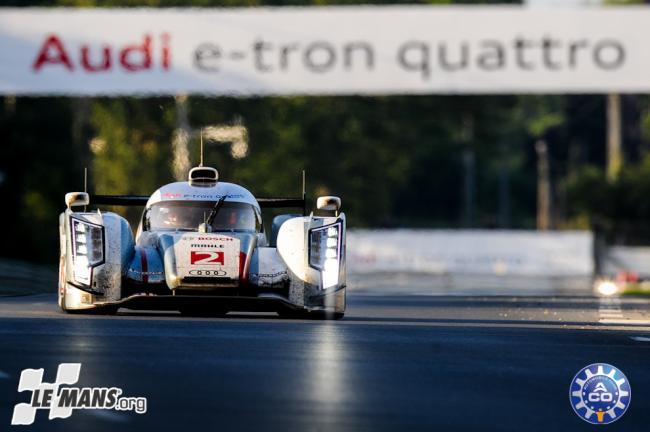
x,y
188,215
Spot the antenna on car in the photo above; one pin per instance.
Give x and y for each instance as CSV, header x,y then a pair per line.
x,y
201,163
304,194
85,183
203,228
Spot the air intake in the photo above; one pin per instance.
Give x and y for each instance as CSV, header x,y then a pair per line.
x,y
203,176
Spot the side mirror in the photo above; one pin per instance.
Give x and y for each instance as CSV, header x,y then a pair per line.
x,y
328,203
76,199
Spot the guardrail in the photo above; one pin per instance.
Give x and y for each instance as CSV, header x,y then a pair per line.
x,y
406,261
424,262
523,253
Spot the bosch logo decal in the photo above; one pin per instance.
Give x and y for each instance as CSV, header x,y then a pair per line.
x,y
600,393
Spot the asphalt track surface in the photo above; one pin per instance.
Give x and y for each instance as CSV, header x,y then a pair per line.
x,y
393,363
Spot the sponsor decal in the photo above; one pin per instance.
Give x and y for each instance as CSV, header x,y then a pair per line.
x,y
207,197
60,401
213,238
197,245
600,393
272,275
206,257
481,54
208,273
56,52
148,273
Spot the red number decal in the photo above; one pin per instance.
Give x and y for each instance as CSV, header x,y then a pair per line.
x,y
206,258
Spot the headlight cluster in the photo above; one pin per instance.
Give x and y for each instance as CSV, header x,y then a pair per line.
x,y
87,249
325,252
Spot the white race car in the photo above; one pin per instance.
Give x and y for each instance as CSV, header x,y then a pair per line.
x,y
201,248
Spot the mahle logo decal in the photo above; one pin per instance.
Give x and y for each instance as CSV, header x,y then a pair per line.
x,y
61,401
600,393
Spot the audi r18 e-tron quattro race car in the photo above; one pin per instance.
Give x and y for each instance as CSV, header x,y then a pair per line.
x,y
201,247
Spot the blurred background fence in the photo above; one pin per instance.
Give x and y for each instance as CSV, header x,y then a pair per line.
x,y
443,262
471,261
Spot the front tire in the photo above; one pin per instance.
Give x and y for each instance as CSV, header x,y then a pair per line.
x,y
311,315
97,310
202,312
61,287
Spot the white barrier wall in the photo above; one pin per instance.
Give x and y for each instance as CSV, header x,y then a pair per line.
x,y
375,50
471,252
626,259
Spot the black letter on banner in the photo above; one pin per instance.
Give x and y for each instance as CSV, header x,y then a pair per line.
x,y
493,55
349,48
521,45
206,56
419,66
323,65
444,61
612,63
259,47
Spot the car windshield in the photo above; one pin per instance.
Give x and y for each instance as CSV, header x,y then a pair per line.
x,y
188,215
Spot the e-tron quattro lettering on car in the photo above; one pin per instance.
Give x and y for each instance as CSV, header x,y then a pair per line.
x,y
202,245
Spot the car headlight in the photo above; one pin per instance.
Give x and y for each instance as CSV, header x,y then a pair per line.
x,y
325,253
87,249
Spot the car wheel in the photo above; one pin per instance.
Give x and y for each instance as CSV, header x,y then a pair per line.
x,y
203,312
329,316
310,315
105,310
99,310
61,287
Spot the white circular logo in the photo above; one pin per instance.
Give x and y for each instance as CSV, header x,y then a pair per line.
x,y
600,393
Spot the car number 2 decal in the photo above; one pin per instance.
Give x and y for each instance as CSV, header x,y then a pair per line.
x,y
206,258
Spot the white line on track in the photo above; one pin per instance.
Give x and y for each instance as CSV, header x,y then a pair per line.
x,y
640,338
610,312
109,415
625,321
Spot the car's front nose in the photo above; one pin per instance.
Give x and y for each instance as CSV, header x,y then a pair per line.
x,y
206,261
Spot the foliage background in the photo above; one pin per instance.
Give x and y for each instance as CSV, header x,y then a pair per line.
x,y
395,161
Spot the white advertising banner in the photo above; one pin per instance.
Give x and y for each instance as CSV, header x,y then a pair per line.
x,y
373,50
499,253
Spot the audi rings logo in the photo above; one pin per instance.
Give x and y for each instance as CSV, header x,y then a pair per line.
x,y
600,393
207,273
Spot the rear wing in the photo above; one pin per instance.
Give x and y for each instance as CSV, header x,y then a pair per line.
x,y
300,203
119,200
141,201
